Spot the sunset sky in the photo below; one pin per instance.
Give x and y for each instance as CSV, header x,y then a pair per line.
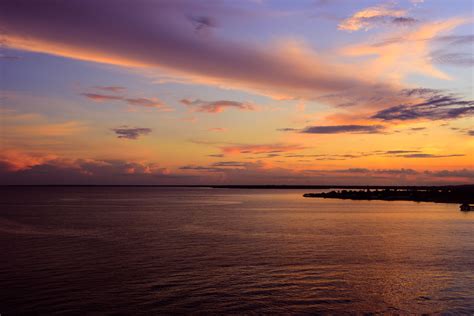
x,y
236,92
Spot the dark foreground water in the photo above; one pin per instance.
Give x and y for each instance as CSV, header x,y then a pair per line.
x,y
155,250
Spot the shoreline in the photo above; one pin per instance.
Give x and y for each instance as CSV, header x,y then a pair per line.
x,y
459,195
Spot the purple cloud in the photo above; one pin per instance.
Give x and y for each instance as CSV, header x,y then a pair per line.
x,y
131,132
145,102
437,105
159,34
217,106
338,129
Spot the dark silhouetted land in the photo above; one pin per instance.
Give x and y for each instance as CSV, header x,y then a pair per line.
x,y
452,194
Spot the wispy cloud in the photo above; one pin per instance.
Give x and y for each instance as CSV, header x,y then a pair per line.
x,y
260,148
402,53
450,58
144,102
114,89
368,171
338,129
262,173
437,105
167,40
216,106
47,169
430,156
455,39
404,20
230,164
369,17
462,173
102,97
202,23
126,132
398,153
8,57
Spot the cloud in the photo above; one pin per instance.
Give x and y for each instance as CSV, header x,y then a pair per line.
x,y
202,23
337,129
461,173
435,106
55,170
8,57
455,39
396,171
162,36
114,89
262,174
449,58
421,155
102,97
471,132
131,132
260,148
370,171
449,54
399,153
47,169
221,166
217,106
155,103
229,164
14,160
200,168
404,21
159,35
145,102
401,54
396,152
367,18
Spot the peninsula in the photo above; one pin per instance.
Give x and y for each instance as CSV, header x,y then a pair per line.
x,y
454,194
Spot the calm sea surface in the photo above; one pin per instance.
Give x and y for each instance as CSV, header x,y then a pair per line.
x,y
158,250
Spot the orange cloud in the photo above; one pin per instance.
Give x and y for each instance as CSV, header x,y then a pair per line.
x,y
404,53
16,160
366,18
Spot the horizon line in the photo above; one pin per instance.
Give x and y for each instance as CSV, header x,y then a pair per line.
x,y
242,186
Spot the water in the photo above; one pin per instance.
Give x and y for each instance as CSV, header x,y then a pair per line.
x,y
158,250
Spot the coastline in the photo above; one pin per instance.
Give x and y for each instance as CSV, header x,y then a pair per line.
x,y
458,195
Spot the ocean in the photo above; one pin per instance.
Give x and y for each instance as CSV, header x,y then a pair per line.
x,y
133,250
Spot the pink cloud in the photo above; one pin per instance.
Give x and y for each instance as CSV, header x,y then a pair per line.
x,y
217,106
145,102
114,89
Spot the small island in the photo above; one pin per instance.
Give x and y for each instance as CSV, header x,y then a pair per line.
x,y
453,194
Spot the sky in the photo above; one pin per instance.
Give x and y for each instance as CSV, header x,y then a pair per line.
x,y
237,92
